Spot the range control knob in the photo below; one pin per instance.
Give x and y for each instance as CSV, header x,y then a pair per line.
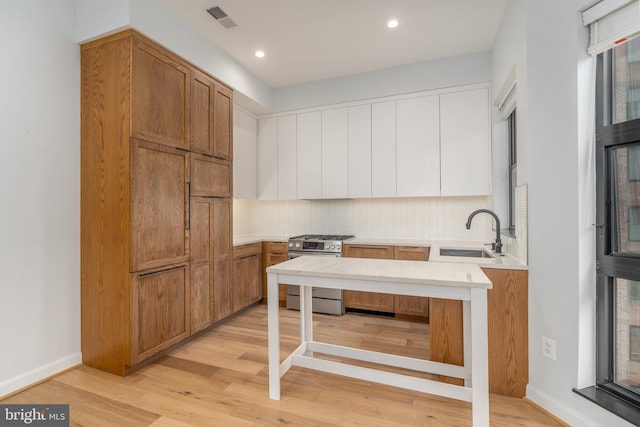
x,y
297,245
290,244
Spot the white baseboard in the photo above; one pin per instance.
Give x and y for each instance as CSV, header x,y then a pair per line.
x,y
38,374
566,414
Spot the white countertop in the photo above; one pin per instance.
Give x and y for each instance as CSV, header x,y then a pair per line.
x,y
246,239
385,270
499,261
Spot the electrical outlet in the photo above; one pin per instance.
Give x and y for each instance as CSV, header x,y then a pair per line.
x,y
549,348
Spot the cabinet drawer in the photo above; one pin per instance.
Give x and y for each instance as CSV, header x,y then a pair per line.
x,y
413,253
247,250
210,177
277,248
159,310
368,251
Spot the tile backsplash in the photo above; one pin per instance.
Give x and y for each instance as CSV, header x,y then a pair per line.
x,y
430,218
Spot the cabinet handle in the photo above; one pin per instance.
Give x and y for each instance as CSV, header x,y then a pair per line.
x,y
188,205
151,273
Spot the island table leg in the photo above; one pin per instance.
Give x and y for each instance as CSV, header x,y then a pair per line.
x,y
480,358
273,321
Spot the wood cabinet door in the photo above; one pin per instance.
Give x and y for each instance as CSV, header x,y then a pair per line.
x,y
223,122
240,283
202,226
159,204
160,89
369,300
507,305
202,121
222,228
201,297
410,305
159,310
222,297
222,246
201,250
210,177
274,253
255,278
247,275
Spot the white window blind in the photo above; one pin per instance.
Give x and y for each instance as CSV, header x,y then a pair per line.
x,y
612,22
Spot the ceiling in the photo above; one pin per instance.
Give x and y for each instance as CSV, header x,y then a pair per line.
x,y
310,40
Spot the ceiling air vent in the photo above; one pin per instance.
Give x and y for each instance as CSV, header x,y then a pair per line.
x,y
221,17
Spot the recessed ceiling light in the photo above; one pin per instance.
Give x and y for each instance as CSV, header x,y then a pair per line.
x,y
259,54
393,23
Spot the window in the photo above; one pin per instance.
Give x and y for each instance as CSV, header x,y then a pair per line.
x,y
618,239
513,164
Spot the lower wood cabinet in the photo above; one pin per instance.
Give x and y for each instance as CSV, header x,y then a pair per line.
x,y
410,305
398,304
247,275
273,253
160,310
507,306
369,300
222,296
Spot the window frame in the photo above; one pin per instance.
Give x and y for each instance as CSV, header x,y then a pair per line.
x,y
512,141
609,265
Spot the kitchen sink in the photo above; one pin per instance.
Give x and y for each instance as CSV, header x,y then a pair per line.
x,y
468,253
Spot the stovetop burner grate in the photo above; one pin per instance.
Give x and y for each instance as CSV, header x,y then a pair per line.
x,y
322,237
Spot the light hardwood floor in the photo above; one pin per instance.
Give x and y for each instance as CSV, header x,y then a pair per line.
x,y
221,379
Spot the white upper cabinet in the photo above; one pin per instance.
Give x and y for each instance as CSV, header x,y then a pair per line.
x,y
244,155
383,149
435,143
309,156
335,153
286,166
418,147
267,181
465,143
359,142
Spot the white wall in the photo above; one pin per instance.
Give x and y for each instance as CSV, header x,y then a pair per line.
x,y
40,188
545,41
160,21
436,74
429,218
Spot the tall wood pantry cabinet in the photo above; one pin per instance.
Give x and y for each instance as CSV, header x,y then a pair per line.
x,y
155,200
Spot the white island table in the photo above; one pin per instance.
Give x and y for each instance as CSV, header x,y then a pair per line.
x,y
465,282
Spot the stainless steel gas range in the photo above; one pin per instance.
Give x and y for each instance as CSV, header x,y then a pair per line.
x,y
323,300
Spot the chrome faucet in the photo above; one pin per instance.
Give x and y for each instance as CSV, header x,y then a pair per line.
x,y
497,245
